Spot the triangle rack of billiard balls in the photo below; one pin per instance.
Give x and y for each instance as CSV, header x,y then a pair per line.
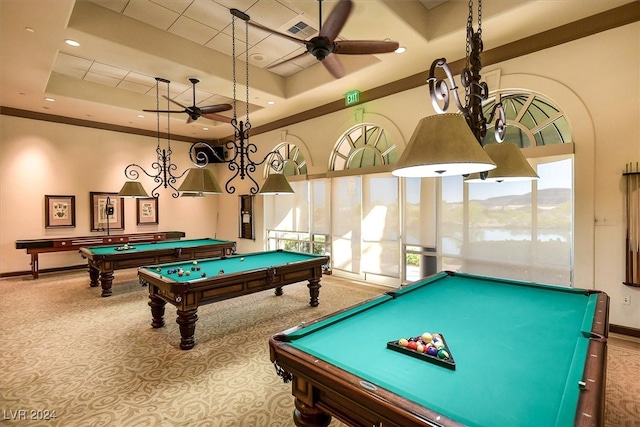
x,y
429,347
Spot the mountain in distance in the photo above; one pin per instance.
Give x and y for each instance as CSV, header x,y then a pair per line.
x,y
547,196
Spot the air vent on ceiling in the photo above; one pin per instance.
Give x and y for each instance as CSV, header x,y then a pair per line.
x,y
300,27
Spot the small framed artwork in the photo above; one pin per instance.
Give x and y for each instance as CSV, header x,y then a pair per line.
x,y
107,211
59,211
147,210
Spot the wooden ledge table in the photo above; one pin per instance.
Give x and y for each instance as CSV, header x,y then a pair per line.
x,y
224,278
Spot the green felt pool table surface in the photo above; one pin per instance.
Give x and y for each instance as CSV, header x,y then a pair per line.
x,y
230,265
520,349
185,287
161,245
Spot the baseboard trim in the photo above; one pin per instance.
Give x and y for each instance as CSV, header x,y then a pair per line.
x,y
624,330
46,270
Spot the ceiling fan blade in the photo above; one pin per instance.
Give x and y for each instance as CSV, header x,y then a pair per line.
x,y
164,111
191,119
215,108
175,102
333,65
217,117
360,47
277,33
303,54
336,20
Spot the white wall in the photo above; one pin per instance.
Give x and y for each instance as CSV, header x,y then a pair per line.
x,y
594,80
41,158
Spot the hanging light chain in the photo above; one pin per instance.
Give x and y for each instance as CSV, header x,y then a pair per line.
x,y
246,24
479,17
469,33
158,113
233,63
168,119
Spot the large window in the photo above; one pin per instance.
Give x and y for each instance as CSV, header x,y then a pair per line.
x,y
300,221
516,230
383,229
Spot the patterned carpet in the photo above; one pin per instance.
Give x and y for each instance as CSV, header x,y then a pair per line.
x,y
97,362
622,407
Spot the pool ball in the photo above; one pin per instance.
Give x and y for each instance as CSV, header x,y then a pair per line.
x,y
426,337
432,351
195,262
412,345
198,268
420,348
221,272
242,259
180,273
187,272
203,274
158,269
402,342
442,354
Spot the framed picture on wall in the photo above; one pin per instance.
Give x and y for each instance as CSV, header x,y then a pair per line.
x,y
107,211
59,211
147,210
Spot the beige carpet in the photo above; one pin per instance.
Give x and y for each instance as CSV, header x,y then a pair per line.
x,y
97,361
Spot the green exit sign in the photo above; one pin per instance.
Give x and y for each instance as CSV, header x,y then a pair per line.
x,y
352,97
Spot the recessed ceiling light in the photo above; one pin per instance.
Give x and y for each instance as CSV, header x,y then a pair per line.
x,y
205,128
271,102
72,43
49,99
29,29
401,49
141,116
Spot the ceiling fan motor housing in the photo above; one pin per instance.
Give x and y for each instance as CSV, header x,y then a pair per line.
x,y
320,47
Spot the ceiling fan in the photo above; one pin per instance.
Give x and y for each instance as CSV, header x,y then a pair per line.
x,y
324,46
195,112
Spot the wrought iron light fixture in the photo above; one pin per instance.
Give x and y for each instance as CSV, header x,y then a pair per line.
x,y
241,164
165,169
451,144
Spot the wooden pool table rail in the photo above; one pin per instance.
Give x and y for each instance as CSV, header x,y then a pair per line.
x,y
187,297
35,247
322,390
102,266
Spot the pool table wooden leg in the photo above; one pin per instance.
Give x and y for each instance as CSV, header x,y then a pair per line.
x,y
106,280
309,416
278,291
314,292
94,274
157,305
187,321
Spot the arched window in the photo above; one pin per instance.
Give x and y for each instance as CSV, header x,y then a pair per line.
x,y
361,146
294,161
532,120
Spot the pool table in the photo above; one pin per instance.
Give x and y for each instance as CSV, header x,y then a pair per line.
x,y
525,355
103,260
225,277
